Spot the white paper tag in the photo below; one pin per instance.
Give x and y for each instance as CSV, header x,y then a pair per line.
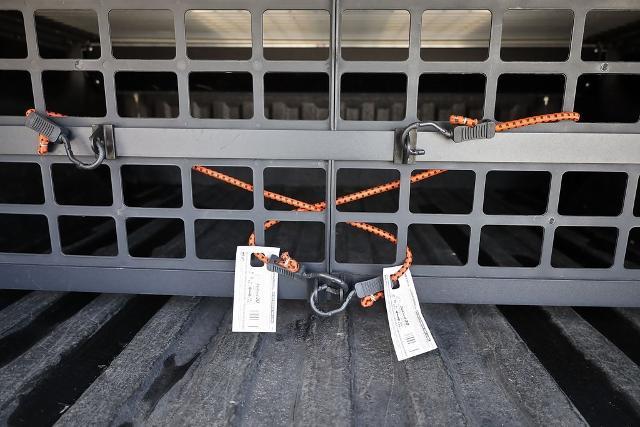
x,y
255,292
409,331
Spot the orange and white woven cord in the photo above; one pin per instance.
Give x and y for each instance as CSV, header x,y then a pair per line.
x,y
520,123
292,265
289,263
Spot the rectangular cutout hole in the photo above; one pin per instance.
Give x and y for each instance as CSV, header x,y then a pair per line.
x,y
516,192
350,181
360,247
142,34
608,98
450,192
68,33
218,34
523,95
255,262
221,95
441,95
24,234
151,186
156,237
455,35
211,193
373,96
74,93
592,193
305,184
147,94
584,247
219,239
296,35
510,246
375,35
636,206
73,186
536,34
21,183
17,97
296,96
439,244
88,235
611,35
304,240
632,257
13,41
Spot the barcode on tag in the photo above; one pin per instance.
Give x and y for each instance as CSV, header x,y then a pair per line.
x,y
410,339
409,331
255,292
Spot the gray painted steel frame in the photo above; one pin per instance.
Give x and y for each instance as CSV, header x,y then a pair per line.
x,y
335,66
188,213
218,283
370,143
468,283
549,221
522,147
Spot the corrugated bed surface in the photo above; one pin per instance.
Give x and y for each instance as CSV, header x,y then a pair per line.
x,y
91,359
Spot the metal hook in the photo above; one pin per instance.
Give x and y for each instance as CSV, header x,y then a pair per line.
x,y
343,306
324,282
405,148
98,148
419,125
55,134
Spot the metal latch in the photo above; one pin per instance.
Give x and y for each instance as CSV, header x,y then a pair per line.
x,y
405,150
54,133
103,134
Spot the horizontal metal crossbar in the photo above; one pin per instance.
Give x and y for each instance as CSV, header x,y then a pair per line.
x,y
508,147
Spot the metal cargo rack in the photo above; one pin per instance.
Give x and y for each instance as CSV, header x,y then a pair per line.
x,y
320,126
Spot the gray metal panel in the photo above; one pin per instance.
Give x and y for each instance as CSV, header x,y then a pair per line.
x,y
403,218
329,144
429,289
476,219
257,65
513,147
188,213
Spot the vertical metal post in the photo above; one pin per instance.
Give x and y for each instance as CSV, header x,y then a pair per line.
x,y
49,197
119,207
623,231
403,219
550,227
187,203
495,45
335,52
476,226
259,210
335,112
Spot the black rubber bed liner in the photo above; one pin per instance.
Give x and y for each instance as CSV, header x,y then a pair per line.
x,y
89,359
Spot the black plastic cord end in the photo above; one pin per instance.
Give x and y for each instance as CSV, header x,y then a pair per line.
x,y
44,126
484,130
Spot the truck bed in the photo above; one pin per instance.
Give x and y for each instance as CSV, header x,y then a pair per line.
x,y
106,359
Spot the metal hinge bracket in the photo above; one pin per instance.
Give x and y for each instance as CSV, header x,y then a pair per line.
x,y
105,134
